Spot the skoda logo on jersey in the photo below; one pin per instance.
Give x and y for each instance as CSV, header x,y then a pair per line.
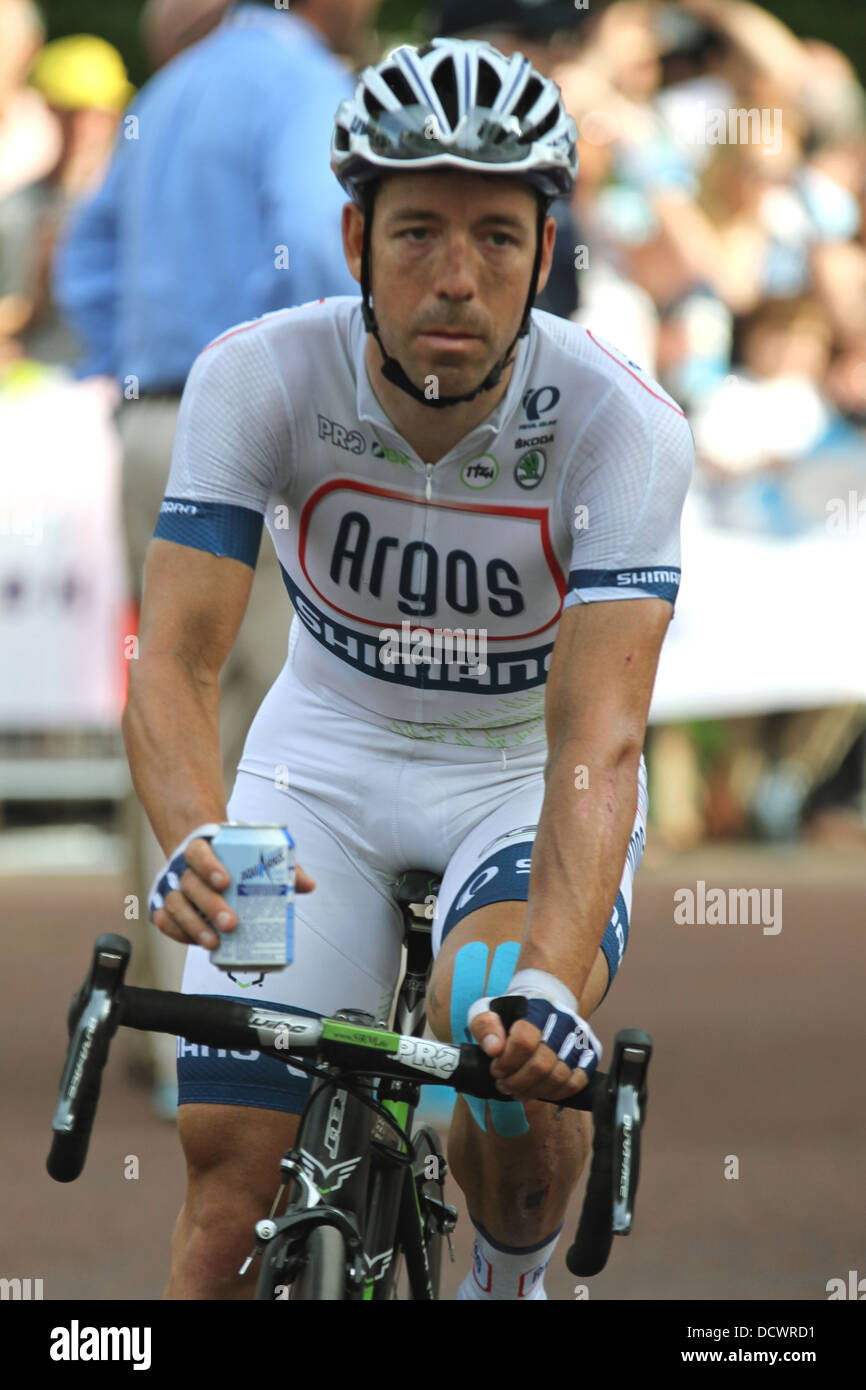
x,y
533,442
480,472
351,440
537,401
529,470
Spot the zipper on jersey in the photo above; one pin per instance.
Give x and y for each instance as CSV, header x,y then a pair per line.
x,y
428,487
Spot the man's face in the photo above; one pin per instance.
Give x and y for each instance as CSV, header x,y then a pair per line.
x,y
451,260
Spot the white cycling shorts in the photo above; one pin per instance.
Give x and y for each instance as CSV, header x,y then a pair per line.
x,y
363,805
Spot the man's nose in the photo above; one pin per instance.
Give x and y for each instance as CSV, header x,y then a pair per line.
x,y
455,277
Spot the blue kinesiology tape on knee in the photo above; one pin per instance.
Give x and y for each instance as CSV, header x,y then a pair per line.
x,y
509,1118
470,971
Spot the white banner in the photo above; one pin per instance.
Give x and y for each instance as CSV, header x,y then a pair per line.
x,y
764,624
63,593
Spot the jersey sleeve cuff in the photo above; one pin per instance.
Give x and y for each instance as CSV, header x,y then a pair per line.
x,y
594,586
218,527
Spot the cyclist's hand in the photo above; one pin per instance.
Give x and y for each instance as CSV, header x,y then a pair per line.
x,y
524,1066
185,898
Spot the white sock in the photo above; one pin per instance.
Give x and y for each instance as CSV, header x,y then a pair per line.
x,y
506,1271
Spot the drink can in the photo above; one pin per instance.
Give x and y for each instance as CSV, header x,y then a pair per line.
x,y
261,862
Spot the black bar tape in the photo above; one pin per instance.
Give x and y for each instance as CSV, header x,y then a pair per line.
x,y
510,1008
473,1077
196,1017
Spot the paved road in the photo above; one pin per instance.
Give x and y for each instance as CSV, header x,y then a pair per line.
x,y
759,1044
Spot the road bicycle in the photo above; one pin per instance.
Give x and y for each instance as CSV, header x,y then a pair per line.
x,y
366,1216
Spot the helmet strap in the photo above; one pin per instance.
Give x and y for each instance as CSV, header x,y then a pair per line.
x,y
391,368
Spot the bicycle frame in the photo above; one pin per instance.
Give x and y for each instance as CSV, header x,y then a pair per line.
x,y
373,1198
341,1143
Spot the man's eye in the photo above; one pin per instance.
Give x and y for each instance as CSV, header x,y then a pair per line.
x,y
416,233
503,239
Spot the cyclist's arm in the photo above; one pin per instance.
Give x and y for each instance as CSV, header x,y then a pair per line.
x,y
192,610
598,694
597,702
621,592
622,585
231,437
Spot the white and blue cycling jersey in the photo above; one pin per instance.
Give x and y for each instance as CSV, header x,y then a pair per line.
x,y
570,491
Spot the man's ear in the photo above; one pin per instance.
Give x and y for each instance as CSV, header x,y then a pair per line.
x,y
353,238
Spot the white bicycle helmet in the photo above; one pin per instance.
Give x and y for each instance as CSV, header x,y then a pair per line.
x,y
453,103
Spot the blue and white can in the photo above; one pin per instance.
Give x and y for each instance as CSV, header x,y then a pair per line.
x,y
261,862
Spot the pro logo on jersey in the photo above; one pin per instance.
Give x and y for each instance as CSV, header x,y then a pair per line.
x,y
480,472
530,469
351,440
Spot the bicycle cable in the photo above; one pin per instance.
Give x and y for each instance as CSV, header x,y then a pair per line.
x,y
345,1081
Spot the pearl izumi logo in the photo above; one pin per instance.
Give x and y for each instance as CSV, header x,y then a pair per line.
x,y
537,401
529,470
480,472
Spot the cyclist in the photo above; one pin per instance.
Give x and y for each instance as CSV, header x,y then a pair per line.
x,y
433,456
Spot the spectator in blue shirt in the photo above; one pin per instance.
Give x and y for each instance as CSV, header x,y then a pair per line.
x,y
219,204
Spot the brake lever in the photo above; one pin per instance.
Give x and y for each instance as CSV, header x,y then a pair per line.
x,y
632,1052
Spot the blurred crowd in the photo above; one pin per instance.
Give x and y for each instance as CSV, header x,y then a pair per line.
x,y
717,235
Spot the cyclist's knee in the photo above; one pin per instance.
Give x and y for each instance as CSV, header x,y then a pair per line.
x,y
479,954
477,959
233,1155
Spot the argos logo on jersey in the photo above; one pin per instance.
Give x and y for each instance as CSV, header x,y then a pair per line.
x,y
377,556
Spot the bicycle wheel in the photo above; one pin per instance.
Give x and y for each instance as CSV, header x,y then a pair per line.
x,y
322,1278
428,1174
